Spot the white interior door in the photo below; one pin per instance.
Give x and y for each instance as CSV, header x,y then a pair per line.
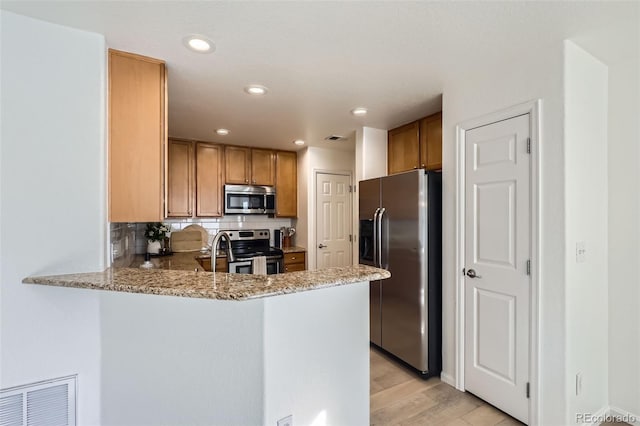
x,y
333,220
497,252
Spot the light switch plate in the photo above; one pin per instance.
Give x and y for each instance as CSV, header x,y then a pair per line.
x,y
581,252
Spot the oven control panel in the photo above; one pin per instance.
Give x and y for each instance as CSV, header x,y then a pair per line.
x,y
255,234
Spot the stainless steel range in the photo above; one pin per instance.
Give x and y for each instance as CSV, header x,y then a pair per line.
x,y
247,244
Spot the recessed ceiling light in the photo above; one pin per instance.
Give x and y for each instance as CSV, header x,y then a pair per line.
x,y
360,111
255,89
199,44
298,142
222,132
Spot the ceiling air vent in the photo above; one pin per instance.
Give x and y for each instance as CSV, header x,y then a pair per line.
x,y
334,138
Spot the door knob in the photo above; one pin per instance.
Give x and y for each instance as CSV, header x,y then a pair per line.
x,y
321,246
472,274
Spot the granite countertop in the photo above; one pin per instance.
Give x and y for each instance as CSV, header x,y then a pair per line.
x,y
293,249
211,285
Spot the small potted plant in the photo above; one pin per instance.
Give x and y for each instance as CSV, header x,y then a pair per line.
x,y
155,233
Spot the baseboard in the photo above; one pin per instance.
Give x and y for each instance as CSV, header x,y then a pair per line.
x,y
625,416
448,379
592,419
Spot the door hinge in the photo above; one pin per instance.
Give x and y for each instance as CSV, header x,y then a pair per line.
x,y
352,188
528,390
528,267
528,145
350,238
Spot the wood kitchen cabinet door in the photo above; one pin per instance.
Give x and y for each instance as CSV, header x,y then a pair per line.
x,y
209,183
431,142
180,179
263,167
286,184
404,148
237,165
294,262
137,137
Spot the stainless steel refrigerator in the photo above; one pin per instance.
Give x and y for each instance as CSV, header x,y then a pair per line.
x,y
401,231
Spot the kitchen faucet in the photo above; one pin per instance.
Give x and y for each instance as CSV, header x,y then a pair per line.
x,y
214,249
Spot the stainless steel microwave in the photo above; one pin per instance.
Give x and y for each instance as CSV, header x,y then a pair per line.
x,y
249,199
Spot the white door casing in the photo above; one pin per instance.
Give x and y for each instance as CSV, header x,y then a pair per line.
x,y
333,220
497,249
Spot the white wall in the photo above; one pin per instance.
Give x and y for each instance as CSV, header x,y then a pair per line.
x,y
176,360
317,356
488,88
52,187
371,153
181,361
310,161
585,139
302,222
624,232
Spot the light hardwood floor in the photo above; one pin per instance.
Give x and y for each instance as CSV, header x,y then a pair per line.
x,y
400,397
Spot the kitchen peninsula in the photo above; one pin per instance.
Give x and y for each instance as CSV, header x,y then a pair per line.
x,y
232,349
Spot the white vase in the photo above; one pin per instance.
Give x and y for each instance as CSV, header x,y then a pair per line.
x,y
153,247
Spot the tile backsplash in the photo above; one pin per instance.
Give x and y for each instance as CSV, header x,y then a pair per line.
x,y
127,239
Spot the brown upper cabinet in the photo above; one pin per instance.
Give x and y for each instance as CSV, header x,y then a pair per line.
x,y
180,179
404,148
286,184
431,142
195,174
263,167
137,137
251,166
416,145
209,165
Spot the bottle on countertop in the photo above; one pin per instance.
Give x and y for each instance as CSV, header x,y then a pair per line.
x,y
147,262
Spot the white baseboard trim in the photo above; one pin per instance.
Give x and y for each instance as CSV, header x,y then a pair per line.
x,y
592,419
448,379
625,416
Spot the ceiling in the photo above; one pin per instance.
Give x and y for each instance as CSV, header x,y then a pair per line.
x,y
321,59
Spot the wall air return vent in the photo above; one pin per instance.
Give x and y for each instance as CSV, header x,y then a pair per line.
x,y
46,403
335,138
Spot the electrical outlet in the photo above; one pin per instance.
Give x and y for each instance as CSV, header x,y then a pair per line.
x,y
578,384
286,421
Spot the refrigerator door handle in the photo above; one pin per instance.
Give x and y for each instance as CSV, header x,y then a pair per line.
x,y
379,231
375,238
